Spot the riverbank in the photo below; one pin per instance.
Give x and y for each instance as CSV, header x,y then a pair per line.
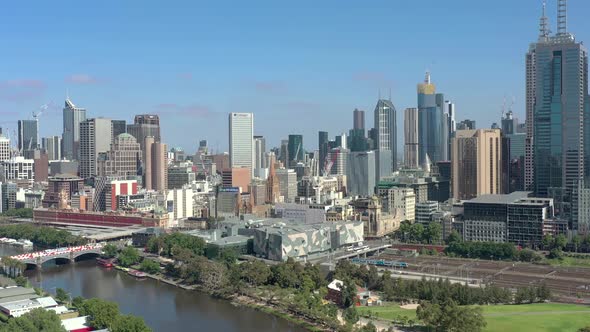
x,y
249,301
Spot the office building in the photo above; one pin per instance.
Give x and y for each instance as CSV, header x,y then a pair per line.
x,y
179,204
336,163
237,178
259,152
145,125
272,182
432,128
359,120
323,148
476,163
119,127
180,175
72,117
95,138
466,125
509,123
385,116
155,175
123,159
411,138
5,149
63,167
287,184
399,201
28,135
241,140
8,191
425,211
452,125
295,148
52,145
18,168
68,184
360,174
40,165
558,112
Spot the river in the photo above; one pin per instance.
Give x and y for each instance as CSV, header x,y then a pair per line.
x,y
164,307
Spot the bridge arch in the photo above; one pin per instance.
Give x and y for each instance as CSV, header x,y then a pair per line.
x,y
57,260
85,256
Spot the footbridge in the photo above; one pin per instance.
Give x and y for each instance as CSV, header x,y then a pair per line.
x,y
69,254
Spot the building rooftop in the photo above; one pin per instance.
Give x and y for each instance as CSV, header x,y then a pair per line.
x,y
9,293
500,199
229,240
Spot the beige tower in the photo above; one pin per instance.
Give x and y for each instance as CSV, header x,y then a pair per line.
x,y
147,162
476,163
159,167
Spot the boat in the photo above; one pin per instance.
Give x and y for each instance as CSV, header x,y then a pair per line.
x,y
124,269
136,274
106,262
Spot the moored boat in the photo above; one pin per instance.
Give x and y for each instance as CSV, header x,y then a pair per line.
x,y
106,262
136,274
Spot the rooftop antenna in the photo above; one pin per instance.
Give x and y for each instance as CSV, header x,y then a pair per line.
x,y
427,78
561,17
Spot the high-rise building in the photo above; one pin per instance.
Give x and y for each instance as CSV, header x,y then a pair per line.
x,y
360,176
287,184
509,123
123,159
180,175
28,135
241,140
466,125
52,145
295,147
40,165
259,152
17,168
476,163
119,127
359,120
236,178
272,183
5,150
95,138
558,113
449,119
323,148
155,165
386,126
432,128
145,125
411,138
72,117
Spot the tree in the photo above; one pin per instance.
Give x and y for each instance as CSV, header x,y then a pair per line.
x,y
433,232
560,241
454,237
543,293
350,315
369,327
417,232
36,320
78,302
61,295
450,317
129,323
21,281
348,293
547,242
228,257
128,257
555,253
576,242
149,266
102,313
109,251
584,329
255,273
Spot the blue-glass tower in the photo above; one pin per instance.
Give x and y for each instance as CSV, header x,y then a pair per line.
x,y
432,128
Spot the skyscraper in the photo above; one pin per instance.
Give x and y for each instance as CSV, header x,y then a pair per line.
x,y
509,123
558,112
123,159
119,127
386,126
72,117
28,135
360,175
145,125
155,170
431,124
411,138
95,138
259,152
52,145
295,147
476,163
5,149
241,140
323,148
449,112
359,120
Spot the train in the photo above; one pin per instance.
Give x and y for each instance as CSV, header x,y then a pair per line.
x,y
380,262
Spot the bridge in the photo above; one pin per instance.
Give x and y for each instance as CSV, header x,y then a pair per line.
x,y
69,254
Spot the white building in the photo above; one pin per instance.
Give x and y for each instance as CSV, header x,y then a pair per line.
x,y
4,148
287,184
241,140
179,204
18,168
404,203
303,213
52,145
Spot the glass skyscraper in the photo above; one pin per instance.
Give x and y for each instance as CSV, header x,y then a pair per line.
x,y
72,117
432,127
386,130
557,112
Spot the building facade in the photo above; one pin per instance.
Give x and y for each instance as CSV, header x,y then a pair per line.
x,y
411,138
241,140
385,116
72,117
95,138
52,145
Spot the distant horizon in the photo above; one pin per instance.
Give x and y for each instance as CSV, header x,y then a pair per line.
x,y
300,68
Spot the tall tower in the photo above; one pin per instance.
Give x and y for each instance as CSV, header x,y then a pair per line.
x,y
359,120
72,117
28,133
144,125
95,138
386,127
558,115
241,140
411,138
432,128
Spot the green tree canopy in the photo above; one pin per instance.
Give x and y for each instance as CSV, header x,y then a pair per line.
x,y
128,256
37,320
129,323
102,313
149,266
109,251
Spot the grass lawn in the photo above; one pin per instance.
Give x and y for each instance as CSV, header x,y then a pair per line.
x,y
543,317
570,261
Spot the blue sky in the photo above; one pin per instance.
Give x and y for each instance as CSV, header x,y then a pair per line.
x,y
300,66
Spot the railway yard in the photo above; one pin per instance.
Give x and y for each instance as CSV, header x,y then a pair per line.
x,y
568,284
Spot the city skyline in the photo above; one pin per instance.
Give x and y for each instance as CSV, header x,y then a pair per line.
x,y
194,92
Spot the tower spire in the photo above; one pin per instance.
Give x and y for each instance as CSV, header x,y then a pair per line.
x,y
544,30
427,78
561,17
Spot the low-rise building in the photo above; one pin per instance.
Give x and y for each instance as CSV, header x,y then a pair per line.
x,y
376,223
